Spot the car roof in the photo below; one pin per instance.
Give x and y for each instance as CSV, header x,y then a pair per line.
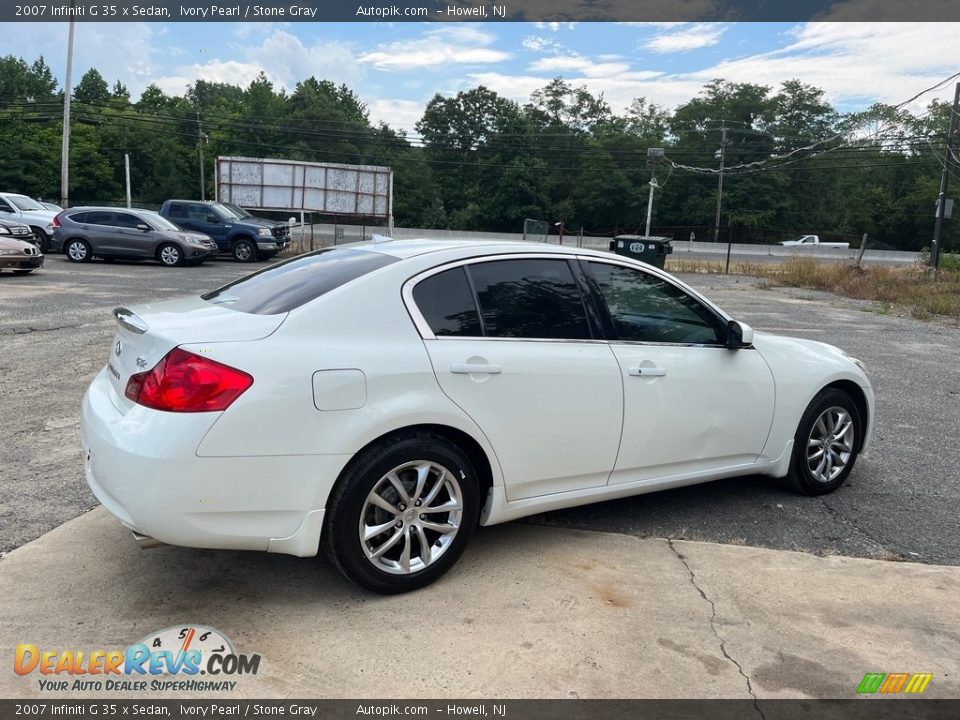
x,y
105,208
412,247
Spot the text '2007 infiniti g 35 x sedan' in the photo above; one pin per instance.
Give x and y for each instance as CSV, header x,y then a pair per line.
x,y
380,400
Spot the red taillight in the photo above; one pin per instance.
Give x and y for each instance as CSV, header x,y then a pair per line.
x,y
184,382
56,220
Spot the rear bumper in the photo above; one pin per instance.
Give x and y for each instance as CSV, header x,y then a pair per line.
x,y
142,466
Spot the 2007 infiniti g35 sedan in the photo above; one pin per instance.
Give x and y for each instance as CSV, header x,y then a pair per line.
x,y
380,400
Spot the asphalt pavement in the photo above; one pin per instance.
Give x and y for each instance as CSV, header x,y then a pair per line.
x,y
901,502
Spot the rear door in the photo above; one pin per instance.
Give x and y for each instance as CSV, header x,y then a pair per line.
x,y
100,231
511,344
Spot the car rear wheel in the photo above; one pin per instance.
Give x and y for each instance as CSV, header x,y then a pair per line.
x,y
244,251
827,443
78,251
170,255
42,240
402,513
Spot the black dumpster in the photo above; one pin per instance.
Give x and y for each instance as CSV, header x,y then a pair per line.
x,y
650,249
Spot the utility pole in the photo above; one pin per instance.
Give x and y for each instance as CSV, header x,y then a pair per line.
x,y
65,140
200,139
723,157
942,197
654,156
653,186
126,172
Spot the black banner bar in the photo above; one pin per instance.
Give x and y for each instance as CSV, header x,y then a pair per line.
x,y
226,709
476,10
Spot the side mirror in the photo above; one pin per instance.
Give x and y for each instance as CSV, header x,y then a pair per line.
x,y
143,226
739,335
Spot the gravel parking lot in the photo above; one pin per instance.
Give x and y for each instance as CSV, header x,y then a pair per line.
x,y
901,502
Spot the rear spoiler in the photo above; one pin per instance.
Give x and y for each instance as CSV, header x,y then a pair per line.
x,y
130,320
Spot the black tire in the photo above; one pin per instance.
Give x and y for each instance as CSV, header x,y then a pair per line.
x,y
42,239
244,250
77,250
821,479
170,255
348,508
25,271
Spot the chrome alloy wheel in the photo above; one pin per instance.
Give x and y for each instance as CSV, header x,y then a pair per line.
x,y
830,444
169,255
411,516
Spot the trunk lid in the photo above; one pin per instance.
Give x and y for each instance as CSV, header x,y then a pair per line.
x,y
145,333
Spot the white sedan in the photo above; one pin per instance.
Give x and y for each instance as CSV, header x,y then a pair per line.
x,y
380,400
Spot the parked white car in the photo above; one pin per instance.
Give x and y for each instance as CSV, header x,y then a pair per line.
x,y
814,241
28,211
379,400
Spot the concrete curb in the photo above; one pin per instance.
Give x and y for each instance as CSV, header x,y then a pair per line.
x,y
530,612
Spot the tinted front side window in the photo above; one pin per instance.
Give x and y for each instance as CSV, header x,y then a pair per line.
x,y
126,220
645,308
446,303
288,285
531,298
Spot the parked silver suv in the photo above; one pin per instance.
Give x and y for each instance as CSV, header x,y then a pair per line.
x,y
82,233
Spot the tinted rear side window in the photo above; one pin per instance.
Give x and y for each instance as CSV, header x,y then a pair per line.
x,y
447,304
98,217
79,218
288,285
532,298
177,210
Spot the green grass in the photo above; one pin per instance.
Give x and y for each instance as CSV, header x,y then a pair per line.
x,y
916,289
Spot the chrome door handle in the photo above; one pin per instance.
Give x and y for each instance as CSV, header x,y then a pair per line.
x,y
475,369
646,372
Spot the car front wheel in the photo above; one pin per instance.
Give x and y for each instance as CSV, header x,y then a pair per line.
x,y
170,255
826,444
402,513
244,251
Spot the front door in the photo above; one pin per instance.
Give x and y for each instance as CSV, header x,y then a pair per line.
x,y
690,403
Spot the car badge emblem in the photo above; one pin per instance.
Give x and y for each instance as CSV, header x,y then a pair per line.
x,y
118,349
141,362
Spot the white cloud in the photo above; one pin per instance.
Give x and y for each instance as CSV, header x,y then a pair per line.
x,y
285,57
96,45
555,26
538,43
697,36
281,56
398,114
455,44
580,64
230,72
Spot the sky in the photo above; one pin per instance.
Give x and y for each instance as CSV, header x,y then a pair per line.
x,y
396,68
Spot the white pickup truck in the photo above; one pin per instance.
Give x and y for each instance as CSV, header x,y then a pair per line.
x,y
814,241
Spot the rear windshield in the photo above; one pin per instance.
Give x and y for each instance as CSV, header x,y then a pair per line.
x,y
288,285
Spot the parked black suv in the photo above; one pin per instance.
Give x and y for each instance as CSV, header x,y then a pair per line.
x,y
245,238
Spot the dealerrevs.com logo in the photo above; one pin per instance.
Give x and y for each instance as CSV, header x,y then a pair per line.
x,y
173,659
